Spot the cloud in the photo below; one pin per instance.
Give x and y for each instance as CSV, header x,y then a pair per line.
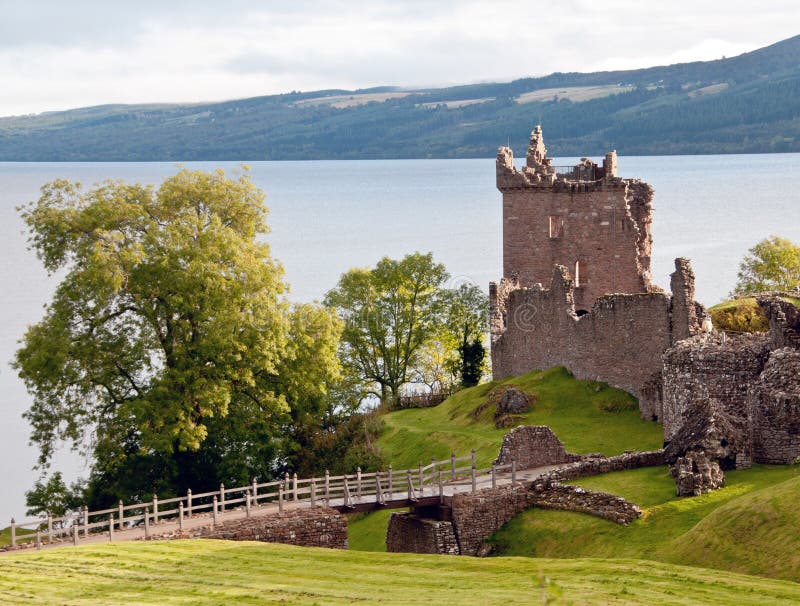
x,y
56,55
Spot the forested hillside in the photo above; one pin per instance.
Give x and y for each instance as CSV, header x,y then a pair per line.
x,y
749,103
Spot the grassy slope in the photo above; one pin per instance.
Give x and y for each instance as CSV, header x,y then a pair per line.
x,y
572,408
220,572
750,525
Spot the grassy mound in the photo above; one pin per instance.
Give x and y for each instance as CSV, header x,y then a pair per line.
x,y
749,525
219,572
587,416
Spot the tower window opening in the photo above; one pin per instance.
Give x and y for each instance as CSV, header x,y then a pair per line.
x,y
581,274
556,226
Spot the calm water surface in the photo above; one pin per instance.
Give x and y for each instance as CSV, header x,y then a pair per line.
x,y
329,216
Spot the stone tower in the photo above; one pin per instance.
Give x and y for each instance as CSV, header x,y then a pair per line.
x,y
582,217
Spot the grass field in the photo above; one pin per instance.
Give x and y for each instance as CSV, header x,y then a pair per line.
x,y
575,410
221,572
573,93
751,525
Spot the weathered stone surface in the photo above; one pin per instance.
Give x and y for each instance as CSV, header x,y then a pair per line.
x,y
408,533
737,397
552,495
533,446
621,341
309,527
709,428
511,401
592,465
695,474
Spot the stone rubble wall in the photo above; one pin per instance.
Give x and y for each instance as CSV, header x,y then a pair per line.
x,y
552,495
597,465
695,474
774,413
307,527
620,342
533,446
408,533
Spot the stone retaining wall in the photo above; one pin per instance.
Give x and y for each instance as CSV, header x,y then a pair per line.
x,y
307,527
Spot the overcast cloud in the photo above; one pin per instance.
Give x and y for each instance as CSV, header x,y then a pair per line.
x,y
58,55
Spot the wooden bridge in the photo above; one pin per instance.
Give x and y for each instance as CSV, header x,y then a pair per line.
x,y
359,492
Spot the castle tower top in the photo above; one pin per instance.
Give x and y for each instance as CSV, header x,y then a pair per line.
x,y
537,152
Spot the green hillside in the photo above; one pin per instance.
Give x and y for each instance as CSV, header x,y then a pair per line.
x,y
748,103
221,572
748,526
587,417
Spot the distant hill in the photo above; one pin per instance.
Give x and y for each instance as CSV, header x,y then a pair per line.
x,y
748,103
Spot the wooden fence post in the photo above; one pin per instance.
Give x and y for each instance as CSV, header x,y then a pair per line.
x,y
180,516
294,486
110,527
313,492
74,534
420,477
441,488
85,521
13,533
155,508
473,457
410,485
327,488
189,501
255,493
452,466
247,503
222,498
49,527
390,482
121,513
494,478
280,499
38,539
214,512
358,484
146,522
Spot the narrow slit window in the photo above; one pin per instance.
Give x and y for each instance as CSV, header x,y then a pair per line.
x,y
556,226
581,274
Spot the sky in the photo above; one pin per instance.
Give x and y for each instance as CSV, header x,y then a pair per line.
x,y
58,55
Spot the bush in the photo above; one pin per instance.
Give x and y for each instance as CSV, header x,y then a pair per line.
x,y
739,315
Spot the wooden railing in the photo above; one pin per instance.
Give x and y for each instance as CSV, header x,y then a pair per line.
x,y
344,491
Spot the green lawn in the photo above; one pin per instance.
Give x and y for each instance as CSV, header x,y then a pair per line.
x,y
367,531
573,409
220,572
751,525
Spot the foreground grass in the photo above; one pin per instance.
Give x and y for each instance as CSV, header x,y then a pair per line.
x,y
751,525
220,572
575,410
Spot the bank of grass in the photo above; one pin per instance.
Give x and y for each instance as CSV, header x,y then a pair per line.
x,y
751,525
587,416
367,531
220,572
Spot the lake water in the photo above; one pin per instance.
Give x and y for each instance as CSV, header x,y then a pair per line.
x,y
327,217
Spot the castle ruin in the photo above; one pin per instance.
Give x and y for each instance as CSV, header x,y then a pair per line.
x,y
577,292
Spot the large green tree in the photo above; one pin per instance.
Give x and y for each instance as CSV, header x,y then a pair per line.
x,y
772,264
389,312
168,351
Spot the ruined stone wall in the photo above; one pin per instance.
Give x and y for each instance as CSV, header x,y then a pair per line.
x,y
533,446
308,527
547,494
594,465
774,409
620,342
716,368
408,533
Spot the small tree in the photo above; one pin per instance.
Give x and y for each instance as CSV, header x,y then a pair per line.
x,y
466,322
52,496
772,264
389,312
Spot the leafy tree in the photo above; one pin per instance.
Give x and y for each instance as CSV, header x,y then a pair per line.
x,y
772,264
466,323
52,496
168,353
389,312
